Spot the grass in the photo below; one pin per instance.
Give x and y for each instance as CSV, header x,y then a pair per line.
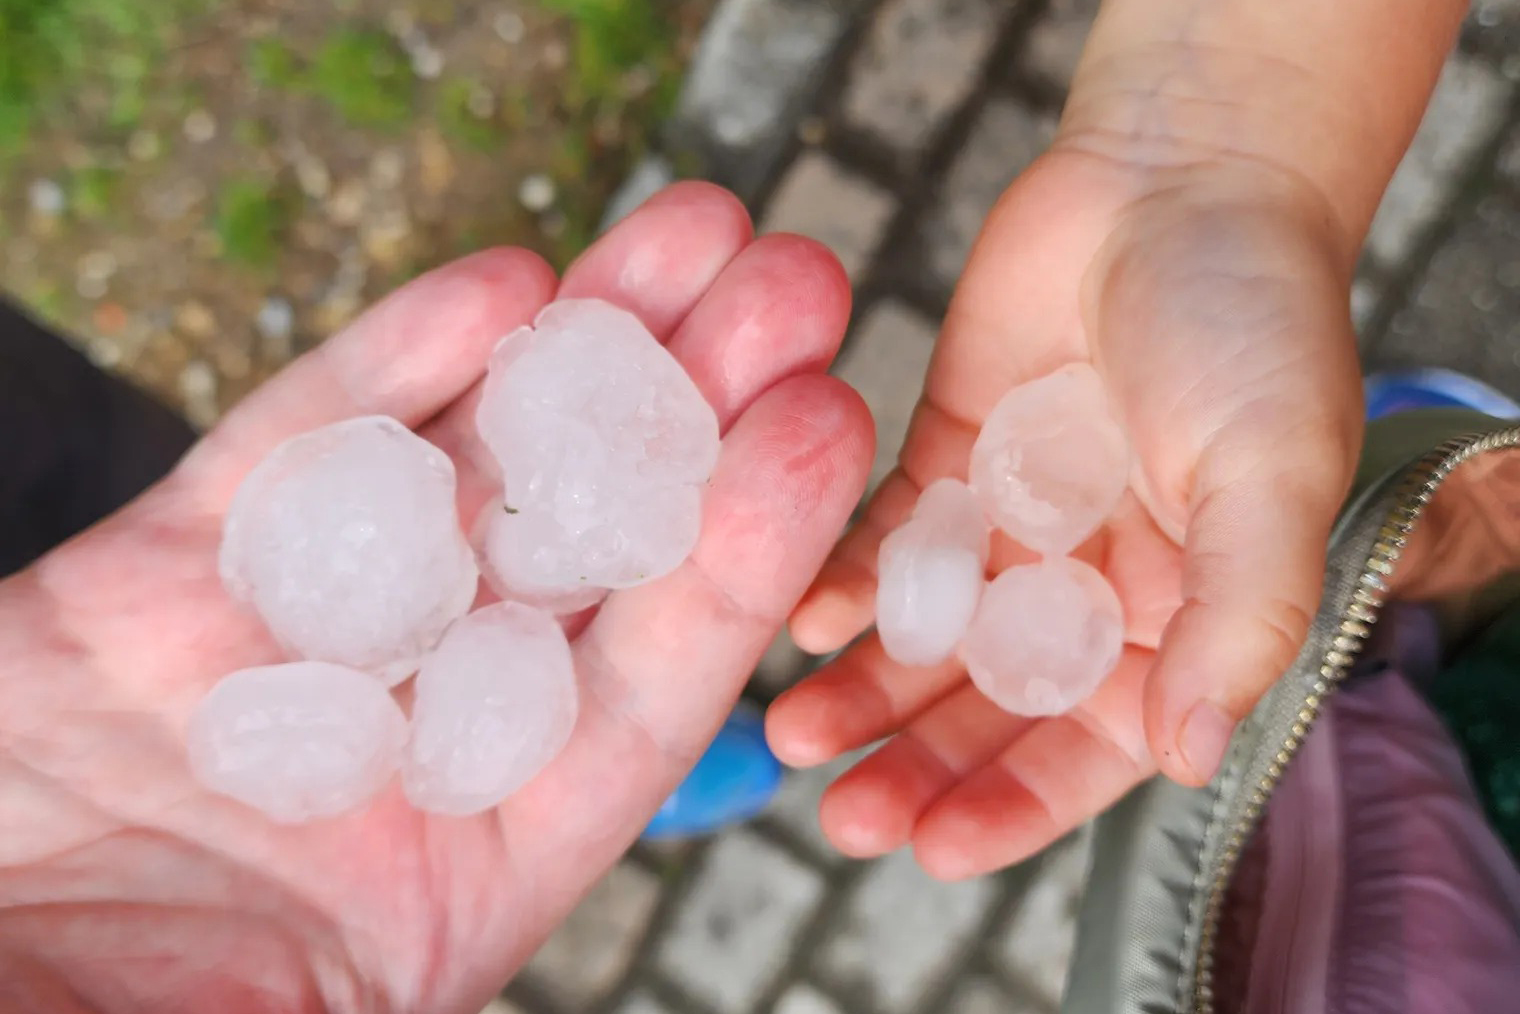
x,y
272,64
611,38
52,50
91,191
458,121
251,217
365,76
362,73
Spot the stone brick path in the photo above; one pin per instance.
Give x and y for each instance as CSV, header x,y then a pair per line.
x,y
887,128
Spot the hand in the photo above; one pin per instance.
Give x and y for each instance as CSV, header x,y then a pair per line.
x,y
1212,299
125,885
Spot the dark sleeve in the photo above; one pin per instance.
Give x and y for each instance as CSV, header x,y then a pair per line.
x,y
76,443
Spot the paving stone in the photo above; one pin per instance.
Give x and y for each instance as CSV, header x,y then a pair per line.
x,y
821,199
1006,138
649,177
735,930
1468,105
1493,26
902,931
501,1005
885,361
1037,944
592,949
804,999
1509,157
754,73
1053,46
795,806
1366,298
642,1003
919,61
983,996
1464,313
782,665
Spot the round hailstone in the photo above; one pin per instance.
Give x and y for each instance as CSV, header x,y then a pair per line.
x,y
346,541
1051,462
952,509
1045,637
495,704
585,403
930,575
298,741
496,539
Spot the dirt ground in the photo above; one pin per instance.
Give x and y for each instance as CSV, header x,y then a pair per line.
x,y
274,166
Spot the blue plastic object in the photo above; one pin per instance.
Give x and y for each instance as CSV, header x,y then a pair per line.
x,y
734,780
1402,391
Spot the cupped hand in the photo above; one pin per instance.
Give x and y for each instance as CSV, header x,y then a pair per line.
x,y
123,885
1212,299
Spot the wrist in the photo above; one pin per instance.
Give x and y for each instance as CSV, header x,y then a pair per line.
x,y
1322,97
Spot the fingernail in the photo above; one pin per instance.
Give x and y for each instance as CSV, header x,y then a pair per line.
x,y
1205,736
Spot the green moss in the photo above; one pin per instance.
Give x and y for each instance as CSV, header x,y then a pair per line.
x,y
459,122
91,191
251,218
611,38
366,77
51,50
271,64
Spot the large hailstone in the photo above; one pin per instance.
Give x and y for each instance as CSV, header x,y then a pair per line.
x,y
1045,636
494,705
605,445
1051,462
346,541
930,574
298,741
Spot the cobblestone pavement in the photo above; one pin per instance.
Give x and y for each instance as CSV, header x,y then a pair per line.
x,y
887,129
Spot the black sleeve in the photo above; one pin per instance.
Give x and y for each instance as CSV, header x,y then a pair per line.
x,y
76,443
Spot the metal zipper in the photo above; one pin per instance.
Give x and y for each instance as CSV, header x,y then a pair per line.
x,y
1406,504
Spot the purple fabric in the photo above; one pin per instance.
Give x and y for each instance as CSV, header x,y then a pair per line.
x,y
1381,888
1429,916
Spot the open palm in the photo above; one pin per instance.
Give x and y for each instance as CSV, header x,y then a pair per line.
x,y
123,884
1212,300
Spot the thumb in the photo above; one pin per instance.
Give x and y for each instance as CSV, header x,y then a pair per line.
x,y
1225,328
1253,569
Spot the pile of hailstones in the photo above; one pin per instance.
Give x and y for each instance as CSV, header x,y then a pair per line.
x,y
1049,466
346,541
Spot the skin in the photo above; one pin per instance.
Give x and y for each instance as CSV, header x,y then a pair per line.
x,y
125,886
1192,233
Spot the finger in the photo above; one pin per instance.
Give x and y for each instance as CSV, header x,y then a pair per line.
x,y
853,701
779,497
659,260
661,664
841,601
1056,775
410,355
1227,338
871,809
1255,560
778,309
